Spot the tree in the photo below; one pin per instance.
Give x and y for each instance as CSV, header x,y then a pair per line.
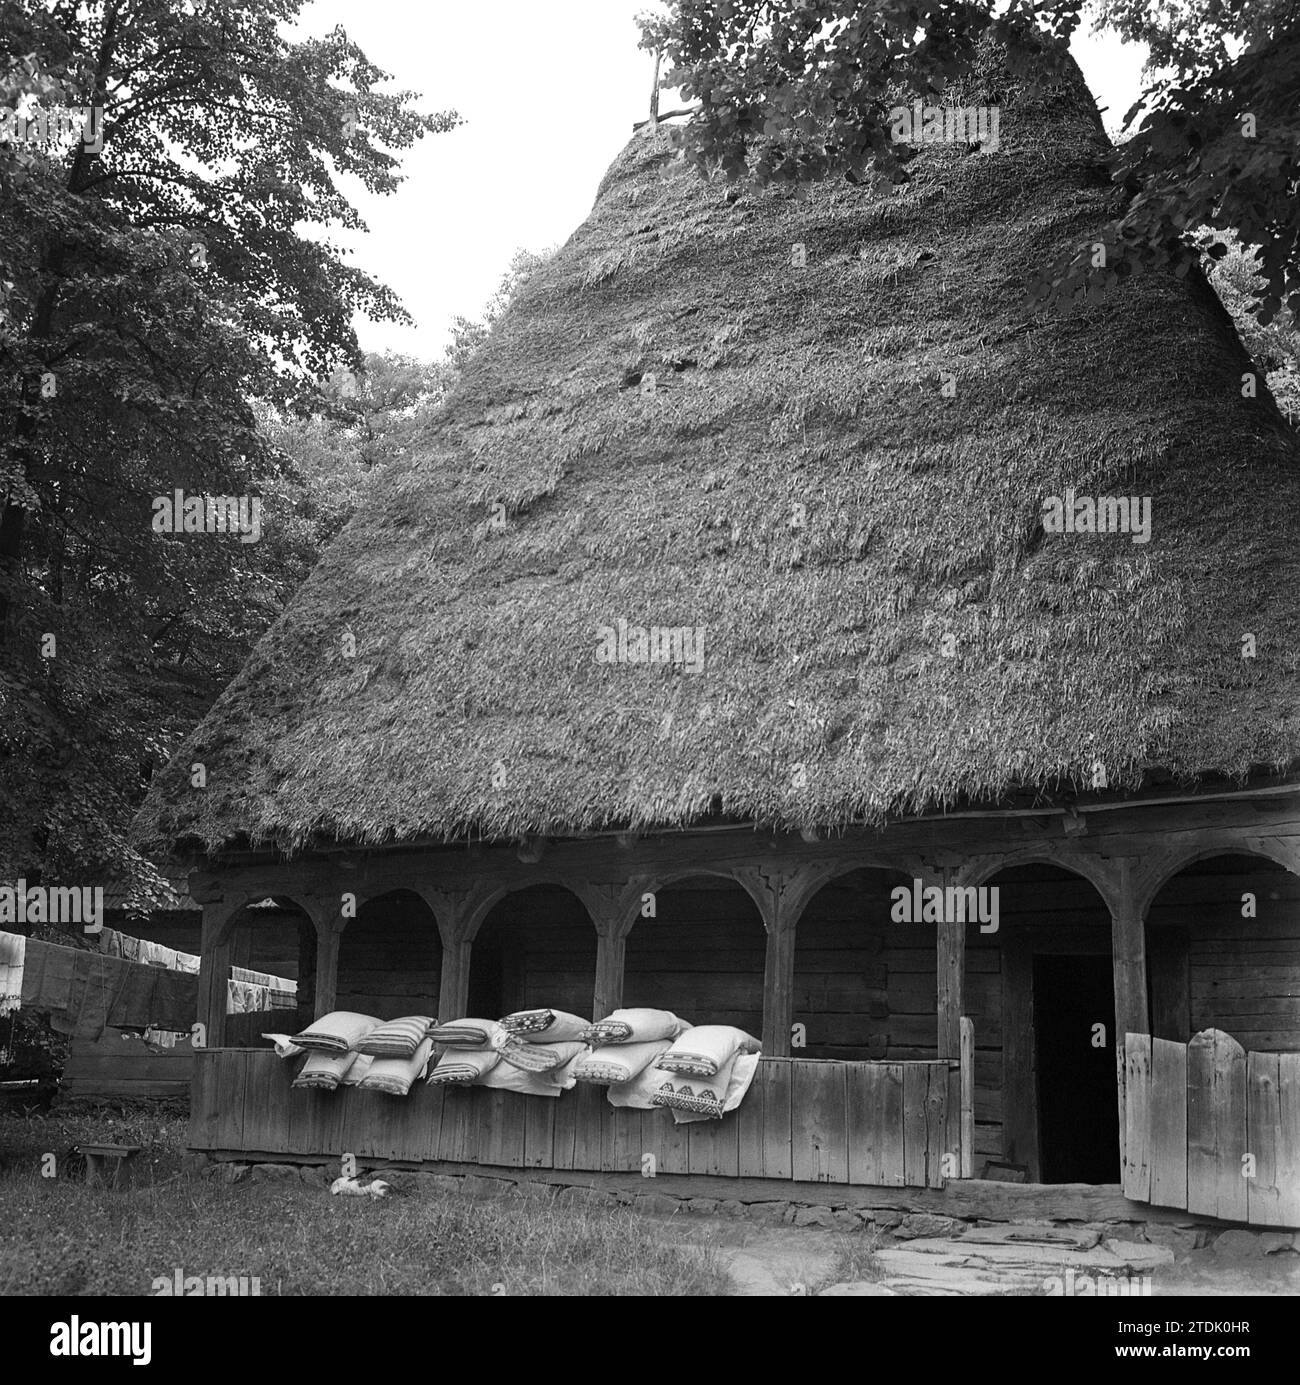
x,y
152,290
799,90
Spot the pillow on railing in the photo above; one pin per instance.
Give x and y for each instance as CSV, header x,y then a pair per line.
x,y
635,1027
355,1075
284,1046
324,1071
708,1098
618,1062
464,1033
506,1078
397,1038
639,1093
545,1026
395,1075
463,1065
538,1058
706,1048
337,1032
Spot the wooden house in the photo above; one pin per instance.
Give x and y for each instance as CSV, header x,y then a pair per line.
x,y
717,618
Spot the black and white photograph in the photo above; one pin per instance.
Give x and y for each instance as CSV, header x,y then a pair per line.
x,y
650,648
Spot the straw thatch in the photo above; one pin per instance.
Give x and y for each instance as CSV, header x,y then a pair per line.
x,y
918,641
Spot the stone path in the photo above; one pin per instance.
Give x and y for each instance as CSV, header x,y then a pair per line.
x,y
1021,1260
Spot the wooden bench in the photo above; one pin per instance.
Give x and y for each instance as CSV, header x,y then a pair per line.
x,y
109,1164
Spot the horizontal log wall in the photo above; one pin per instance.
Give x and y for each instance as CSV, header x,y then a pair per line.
x,y
390,959
885,1124
701,956
1242,974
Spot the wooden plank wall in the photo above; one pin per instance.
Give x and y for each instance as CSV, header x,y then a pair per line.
x,y
701,956
1213,1129
121,1067
831,1122
1242,974
536,947
390,959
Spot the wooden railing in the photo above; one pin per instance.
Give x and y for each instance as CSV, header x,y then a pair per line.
x,y
1212,1128
887,1124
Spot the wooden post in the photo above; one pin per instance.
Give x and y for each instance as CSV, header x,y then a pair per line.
x,y
1128,949
326,913
613,909
1129,962
966,1042
781,896
327,969
951,976
453,990
778,988
214,969
459,914
611,950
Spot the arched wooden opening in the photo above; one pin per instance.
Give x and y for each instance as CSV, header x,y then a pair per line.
x,y
536,947
390,958
701,955
1041,993
1223,952
864,986
269,971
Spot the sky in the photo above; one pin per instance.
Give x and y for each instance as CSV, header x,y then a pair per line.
x,y
549,93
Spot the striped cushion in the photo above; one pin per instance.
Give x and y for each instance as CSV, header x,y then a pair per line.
x,y
397,1038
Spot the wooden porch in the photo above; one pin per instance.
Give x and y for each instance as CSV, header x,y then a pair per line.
x,y
887,1101
880,1124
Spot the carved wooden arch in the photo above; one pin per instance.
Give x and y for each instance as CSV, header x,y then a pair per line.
x,y
826,873
654,881
226,911
460,911
1173,861
1102,875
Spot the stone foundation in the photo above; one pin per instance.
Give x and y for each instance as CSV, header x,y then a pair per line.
x,y
830,1214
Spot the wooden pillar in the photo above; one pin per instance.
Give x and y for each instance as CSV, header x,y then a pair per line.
x,y
778,987
326,913
1129,963
453,989
950,971
614,910
781,896
611,952
1129,954
459,914
214,969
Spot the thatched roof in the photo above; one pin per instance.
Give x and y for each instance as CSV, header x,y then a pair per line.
x,y
475,703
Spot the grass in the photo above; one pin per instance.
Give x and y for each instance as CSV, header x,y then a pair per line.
x,y
58,1236
856,1262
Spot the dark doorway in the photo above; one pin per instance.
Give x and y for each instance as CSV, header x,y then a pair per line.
x,y
1078,1115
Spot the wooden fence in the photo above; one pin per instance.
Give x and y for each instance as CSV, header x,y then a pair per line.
x,y
1212,1128
121,1067
886,1124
